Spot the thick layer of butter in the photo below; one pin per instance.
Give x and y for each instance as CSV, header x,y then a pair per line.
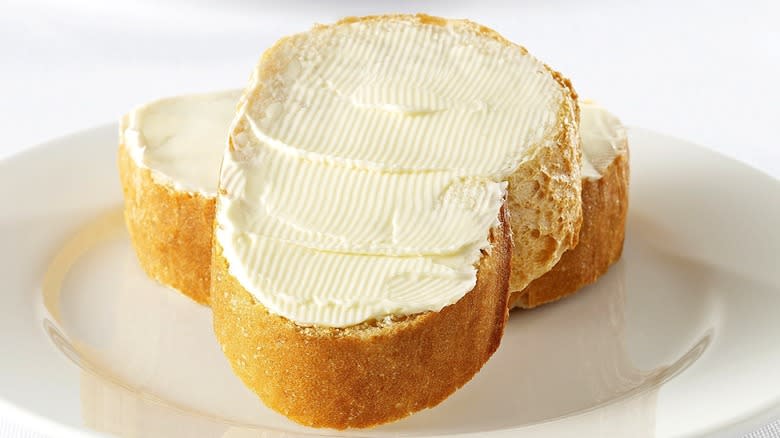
x,y
181,139
603,138
364,177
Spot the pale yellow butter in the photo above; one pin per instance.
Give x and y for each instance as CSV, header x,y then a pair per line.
x,y
367,173
181,139
603,138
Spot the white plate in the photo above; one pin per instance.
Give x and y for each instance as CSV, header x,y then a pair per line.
x,y
680,338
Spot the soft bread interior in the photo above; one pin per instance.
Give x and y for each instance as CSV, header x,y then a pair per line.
x,y
604,207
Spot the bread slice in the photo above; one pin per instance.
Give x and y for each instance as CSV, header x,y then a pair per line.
x,y
367,374
604,208
388,367
169,154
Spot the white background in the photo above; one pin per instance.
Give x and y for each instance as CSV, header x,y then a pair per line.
x,y
705,71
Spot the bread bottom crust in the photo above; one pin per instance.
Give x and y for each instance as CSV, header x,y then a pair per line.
x,y
604,208
369,374
170,230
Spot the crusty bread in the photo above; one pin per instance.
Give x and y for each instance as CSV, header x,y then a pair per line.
x,y
380,371
368,374
604,208
170,229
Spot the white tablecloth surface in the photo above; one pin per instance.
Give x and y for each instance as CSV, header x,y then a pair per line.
x,y
705,71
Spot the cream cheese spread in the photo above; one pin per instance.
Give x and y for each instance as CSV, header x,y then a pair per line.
x,y
603,138
181,139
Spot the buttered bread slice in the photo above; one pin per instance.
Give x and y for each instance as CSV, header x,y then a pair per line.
x,y
605,173
188,160
362,242
169,155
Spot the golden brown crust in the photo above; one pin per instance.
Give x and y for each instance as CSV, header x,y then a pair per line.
x,y
363,375
604,204
169,229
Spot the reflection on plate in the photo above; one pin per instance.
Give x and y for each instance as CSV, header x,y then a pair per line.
x,y
683,323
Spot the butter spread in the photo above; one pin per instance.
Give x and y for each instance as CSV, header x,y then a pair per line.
x,y
366,171
603,138
181,139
